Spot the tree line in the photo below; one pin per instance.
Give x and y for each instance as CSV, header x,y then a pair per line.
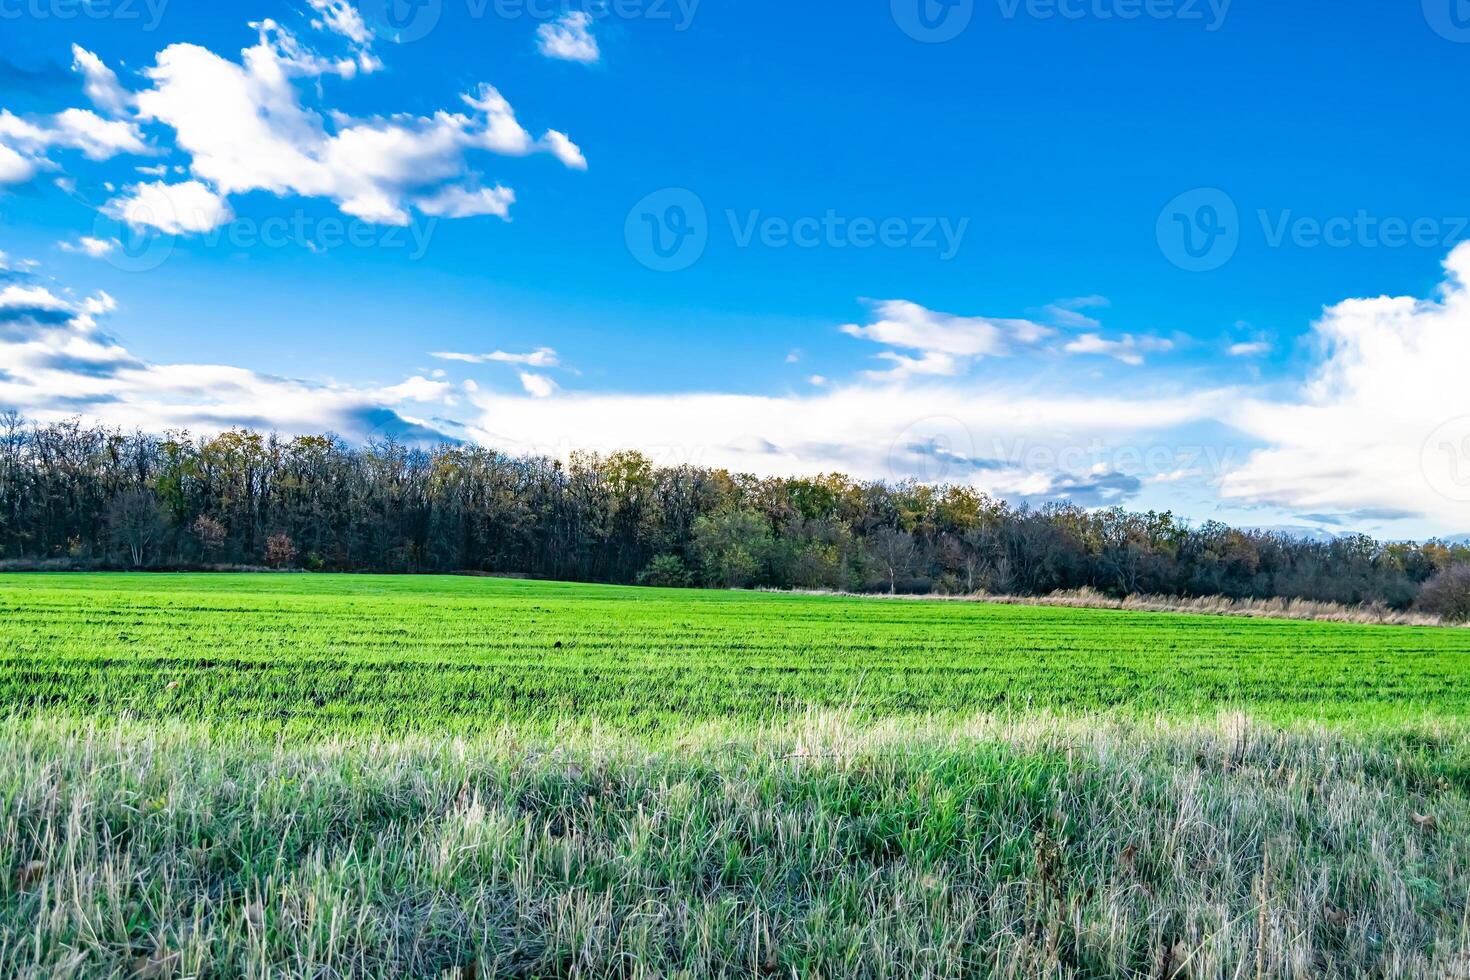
x,y
73,495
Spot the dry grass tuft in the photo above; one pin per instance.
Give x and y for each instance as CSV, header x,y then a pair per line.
x,y
1368,614
1031,846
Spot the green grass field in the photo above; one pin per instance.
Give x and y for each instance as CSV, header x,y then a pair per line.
x,y
324,776
331,655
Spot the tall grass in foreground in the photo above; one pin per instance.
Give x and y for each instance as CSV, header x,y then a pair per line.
x,y
1047,847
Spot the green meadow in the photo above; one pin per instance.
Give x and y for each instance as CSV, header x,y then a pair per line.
x,y
326,656
366,776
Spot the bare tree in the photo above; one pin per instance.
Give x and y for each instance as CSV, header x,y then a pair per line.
x,y
894,551
135,522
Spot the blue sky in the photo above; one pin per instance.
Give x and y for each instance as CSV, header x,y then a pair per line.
x,y
1166,254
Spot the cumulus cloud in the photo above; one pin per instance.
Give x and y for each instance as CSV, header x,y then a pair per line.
x,y
101,84
175,209
1383,424
537,385
246,127
15,168
96,248
461,202
561,147
946,342
25,143
569,38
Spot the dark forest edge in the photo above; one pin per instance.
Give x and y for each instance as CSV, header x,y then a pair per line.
x,y
79,496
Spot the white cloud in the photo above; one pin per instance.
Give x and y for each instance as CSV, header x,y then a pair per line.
x,y
246,128
1254,348
1127,348
97,138
460,202
87,245
341,17
537,385
930,363
1064,312
1361,438
14,168
541,357
32,297
24,143
569,38
947,343
176,209
564,149
101,84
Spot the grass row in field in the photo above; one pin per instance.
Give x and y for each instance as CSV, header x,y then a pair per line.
x,y
1091,848
313,655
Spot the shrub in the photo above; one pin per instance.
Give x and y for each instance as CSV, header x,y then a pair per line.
x,y
1448,594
